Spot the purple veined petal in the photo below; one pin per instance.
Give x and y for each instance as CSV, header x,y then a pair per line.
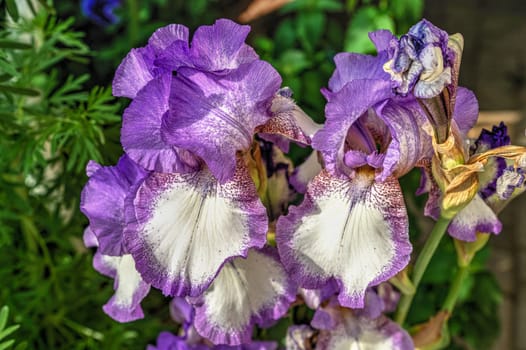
x,y
429,185
215,116
354,232
382,39
343,109
189,225
409,143
221,46
314,297
477,216
299,337
141,131
354,66
92,167
354,332
103,202
169,341
181,311
389,296
305,172
139,67
373,305
134,72
163,37
130,289
89,238
466,110
290,122
245,292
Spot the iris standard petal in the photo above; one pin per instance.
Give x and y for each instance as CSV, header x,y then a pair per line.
x,y
215,116
141,131
341,114
221,46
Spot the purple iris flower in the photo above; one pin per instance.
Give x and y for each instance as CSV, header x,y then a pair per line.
x,y
194,224
101,11
168,341
336,327
352,227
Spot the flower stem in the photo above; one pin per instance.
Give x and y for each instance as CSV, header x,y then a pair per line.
x,y
421,265
452,296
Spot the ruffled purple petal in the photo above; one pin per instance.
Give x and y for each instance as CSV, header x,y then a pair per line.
x,y
246,291
169,341
382,39
354,232
130,289
477,216
354,66
409,143
138,67
188,225
103,198
466,110
221,46
134,72
89,238
166,36
141,131
342,113
354,332
214,117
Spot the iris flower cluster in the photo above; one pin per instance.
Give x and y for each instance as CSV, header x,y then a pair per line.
x,y
198,206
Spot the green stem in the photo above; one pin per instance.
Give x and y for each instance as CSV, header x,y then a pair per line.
x,y
452,296
421,265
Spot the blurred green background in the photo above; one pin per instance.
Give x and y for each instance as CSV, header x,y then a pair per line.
x,y
56,113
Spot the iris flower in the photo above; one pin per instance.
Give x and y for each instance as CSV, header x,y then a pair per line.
x,y
194,224
336,327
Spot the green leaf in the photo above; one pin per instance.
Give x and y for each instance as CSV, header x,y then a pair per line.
x,y
4,312
406,13
12,9
8,331
9,44
292,62
329,5
365,20
7,344
19,90
310,26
